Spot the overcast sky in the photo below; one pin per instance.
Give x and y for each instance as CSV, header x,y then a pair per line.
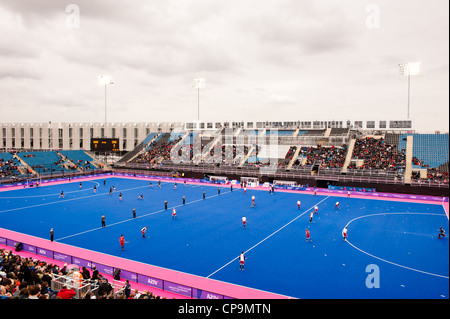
x,y
262,60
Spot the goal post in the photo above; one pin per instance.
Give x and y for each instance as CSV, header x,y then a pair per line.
x,y
284,183
218,179
33,182
250,181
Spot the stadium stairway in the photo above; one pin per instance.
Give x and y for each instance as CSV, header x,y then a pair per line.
x,y
68,164
139,149
250,149
409,152
28,167
95,162
246,156
205,152
294,157
348,158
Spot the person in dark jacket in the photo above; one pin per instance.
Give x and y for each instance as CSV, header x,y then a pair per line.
x,y
127,289
104,287
85,273
95,274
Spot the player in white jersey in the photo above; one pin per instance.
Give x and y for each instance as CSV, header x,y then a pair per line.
x,y
242,259
174,213
143,231
344,233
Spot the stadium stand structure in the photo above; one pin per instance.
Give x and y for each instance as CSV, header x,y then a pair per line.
x,y
46,163
331,156
9,165
316,155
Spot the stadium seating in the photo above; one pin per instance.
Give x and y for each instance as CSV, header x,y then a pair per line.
x,y
300,150
43,162
430,149
377,154
9,165
79,158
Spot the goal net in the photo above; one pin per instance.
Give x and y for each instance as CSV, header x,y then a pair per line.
x,y
33,182
250,181
284,183
220,179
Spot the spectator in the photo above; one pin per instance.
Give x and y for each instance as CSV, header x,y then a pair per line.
x,y
104,287
378,155
127,289
65,293
34,292
11,287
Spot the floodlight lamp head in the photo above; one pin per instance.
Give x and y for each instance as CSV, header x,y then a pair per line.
x,y
410,69
198,83
105,80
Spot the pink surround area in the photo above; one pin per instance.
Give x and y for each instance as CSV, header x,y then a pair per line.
x,y
206,284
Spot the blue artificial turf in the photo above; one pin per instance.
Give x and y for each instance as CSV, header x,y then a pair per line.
x,y
400,238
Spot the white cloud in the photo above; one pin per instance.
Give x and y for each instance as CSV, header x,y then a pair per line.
x,y
280,99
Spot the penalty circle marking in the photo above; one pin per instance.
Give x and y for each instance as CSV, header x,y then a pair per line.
x,y
387,261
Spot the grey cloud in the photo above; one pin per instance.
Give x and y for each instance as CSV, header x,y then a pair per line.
x,y
301,54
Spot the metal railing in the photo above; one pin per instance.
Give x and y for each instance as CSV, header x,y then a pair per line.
x,y
372,177
81,287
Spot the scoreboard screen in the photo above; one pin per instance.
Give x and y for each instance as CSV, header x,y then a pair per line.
x,y
105,144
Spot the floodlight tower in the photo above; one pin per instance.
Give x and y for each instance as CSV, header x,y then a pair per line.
x,y
409,69
105,80
198,84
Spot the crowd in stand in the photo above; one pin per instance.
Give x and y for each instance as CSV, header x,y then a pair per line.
x,y
27,278
7,167
326,157
433,174
161,151
377,155
290,153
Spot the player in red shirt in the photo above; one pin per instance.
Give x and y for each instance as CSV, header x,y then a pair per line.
x,y
308,237
122,242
